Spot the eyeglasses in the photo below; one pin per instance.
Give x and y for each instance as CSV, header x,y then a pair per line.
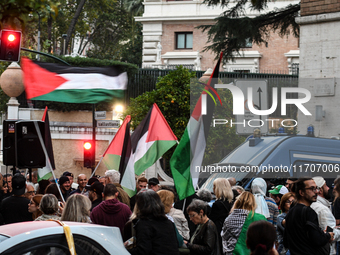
x,y
192,215
31,192
290,201
314,189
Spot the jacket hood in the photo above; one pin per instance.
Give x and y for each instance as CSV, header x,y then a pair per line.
x,y
111,206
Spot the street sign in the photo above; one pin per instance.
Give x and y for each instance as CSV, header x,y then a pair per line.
x,y
108,123
100,115
260,102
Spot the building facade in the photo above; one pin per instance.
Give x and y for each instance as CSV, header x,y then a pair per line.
x,y
170,38
320,65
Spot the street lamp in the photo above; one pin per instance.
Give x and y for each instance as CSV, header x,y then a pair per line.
x,y
117,112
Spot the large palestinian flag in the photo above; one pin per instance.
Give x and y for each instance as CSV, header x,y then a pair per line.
x,y
117,154
60,83
150,140
190,150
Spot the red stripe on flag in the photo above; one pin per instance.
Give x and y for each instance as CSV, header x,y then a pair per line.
x,y
117,142
37,80
159,128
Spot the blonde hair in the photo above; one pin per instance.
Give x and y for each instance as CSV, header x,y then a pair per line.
x,y
77,209
245,201
222,189
167,198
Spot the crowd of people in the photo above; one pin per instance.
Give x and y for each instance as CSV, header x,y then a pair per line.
x,y
296,218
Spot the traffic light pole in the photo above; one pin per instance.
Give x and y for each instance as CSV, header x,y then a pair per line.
x,y
45,54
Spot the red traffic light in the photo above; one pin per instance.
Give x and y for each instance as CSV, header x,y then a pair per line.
x,y
87,145
89,154
10,45
11,38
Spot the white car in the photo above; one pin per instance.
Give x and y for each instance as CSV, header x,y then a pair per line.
x,y
48,238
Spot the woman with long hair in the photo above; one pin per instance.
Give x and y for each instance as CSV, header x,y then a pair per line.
x,y
261,236
286,201
77,208
155,234
33,206
181,223
236,224
221,207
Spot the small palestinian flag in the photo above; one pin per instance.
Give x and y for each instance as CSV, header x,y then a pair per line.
x,y
151,139
69,84
117,154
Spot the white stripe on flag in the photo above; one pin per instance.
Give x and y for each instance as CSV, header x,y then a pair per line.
x,y
197,146
142,147
128,180
94,81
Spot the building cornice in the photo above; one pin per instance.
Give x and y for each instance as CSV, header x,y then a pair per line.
x,y
320,18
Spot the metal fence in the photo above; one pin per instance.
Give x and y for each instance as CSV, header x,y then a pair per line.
x,y
146,79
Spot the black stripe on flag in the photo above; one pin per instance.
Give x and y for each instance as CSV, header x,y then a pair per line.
x,y
62,69
126,151
210,103
142,128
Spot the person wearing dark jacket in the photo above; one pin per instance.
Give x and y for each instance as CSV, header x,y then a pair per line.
x,y
155,233
205,239
15,208
222,206
302,234
111,212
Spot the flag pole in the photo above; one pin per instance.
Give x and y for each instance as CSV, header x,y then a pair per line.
x,y
46,155
45,152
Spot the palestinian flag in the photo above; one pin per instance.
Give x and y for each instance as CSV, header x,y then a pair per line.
x,y
190,150
117,154
151,139
60,83
46,172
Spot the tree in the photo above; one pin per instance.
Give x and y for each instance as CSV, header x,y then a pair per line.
x,y
232,29
14,13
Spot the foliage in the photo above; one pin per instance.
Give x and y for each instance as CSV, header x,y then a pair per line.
x,y
111,30
136,7
14,13
132,52
232,28
172,95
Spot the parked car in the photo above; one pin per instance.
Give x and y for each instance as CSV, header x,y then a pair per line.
x,y
276,157
47,237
